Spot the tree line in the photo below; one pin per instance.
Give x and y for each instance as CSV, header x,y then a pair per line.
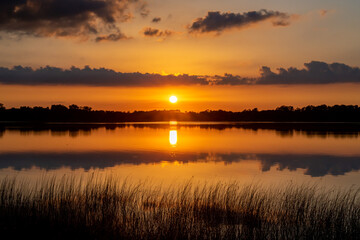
x,y
75,113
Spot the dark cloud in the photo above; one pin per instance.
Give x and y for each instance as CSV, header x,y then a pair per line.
x,y
218,22
91,76
313,73
156,19
64,18
281,22
154,32
229,79
111,37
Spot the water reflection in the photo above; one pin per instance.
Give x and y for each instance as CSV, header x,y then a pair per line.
x,y
102,146
314,165
173,137
285,130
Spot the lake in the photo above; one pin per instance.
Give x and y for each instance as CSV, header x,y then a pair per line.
x,y
167,152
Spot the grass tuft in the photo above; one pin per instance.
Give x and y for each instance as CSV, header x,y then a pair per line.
x,y
97,208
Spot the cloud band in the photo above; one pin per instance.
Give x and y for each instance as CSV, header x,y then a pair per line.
x,y
313,73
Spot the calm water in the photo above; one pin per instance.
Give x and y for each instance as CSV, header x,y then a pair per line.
x,y
168,152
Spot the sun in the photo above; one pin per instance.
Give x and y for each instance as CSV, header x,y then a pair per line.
x,y
173,99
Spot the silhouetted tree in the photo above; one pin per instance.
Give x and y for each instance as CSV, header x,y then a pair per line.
x,y
59,113
58,108
74,107
285,108
86,108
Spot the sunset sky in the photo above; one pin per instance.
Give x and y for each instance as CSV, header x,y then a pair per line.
x,y
134,54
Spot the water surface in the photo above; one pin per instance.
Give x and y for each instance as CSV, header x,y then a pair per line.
x,y
268,153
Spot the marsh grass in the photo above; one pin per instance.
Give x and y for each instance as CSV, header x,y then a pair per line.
x,y
95,208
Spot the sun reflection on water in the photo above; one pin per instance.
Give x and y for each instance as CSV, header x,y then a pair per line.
x,y
173,122
173,137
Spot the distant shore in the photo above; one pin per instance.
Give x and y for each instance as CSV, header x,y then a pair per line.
x,y
76,114
310,127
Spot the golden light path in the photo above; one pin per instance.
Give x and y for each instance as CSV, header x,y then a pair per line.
x,y
173,137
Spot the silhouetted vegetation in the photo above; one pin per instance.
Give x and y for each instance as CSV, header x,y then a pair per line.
x,y
96,209
74,113
283,129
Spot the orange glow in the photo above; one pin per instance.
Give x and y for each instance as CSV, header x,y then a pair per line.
x,y
193,98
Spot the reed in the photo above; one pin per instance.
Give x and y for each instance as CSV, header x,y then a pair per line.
x,y
95,208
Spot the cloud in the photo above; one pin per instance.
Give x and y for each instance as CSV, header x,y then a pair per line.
x,y
229,79
65,18
218,22
143,9
111,37
154,32
313,73
281,23
156,19
91,77
323,12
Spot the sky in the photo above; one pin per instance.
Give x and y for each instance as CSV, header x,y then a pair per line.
x,y
134,54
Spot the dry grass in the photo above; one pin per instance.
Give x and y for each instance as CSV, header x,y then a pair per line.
x,y
71,208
